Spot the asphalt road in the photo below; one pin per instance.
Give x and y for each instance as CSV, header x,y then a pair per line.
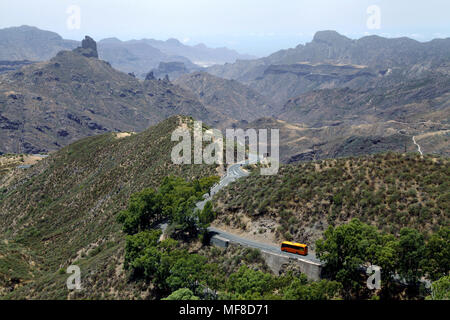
x,y
235,172
262,246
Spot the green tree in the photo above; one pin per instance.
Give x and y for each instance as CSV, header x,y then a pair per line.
x,y
411,250
385,255
345,249
437,254
136,243
187,272
317,290
182,294
141,254
207,215
440,289
249,284
144,208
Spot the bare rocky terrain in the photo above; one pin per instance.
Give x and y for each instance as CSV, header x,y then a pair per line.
x,y
47,105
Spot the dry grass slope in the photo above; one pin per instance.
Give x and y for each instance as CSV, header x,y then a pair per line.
x,y
389,190
62,211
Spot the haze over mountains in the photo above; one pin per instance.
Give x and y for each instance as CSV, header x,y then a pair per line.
x,y
331,47
106,112
138,56
390,87
232,98
370,83
50,104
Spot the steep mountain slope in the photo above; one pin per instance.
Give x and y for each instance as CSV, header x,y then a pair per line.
x,y
373,51
331,60
331,47
336,122
357,121
302,143
62,211
389,191
8,66
199,54
282,82
137,56
48,105
426,99
227,97
173,70
31,43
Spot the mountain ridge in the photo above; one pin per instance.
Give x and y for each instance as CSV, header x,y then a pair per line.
x,y
388,59
137,56
68,208
47,105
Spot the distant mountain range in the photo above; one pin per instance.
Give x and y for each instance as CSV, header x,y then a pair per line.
x,y
137,56
332,60
233,100
341,93
333,48
47,105
30,43
338,97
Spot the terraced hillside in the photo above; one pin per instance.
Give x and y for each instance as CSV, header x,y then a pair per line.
x,y
389,191
62,211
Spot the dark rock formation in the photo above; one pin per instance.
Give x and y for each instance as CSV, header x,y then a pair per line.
x,y
150,76
87,96
88,48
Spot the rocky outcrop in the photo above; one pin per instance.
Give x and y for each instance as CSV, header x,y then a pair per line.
x,y
172,69
150,76
44,106
88,48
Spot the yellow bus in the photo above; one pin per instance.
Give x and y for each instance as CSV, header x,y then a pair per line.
x,y
293,247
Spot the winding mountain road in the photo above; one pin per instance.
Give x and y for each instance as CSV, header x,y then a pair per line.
x,y
261,246
418,147
235,172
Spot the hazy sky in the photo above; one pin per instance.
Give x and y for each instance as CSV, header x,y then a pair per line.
x,y
257,27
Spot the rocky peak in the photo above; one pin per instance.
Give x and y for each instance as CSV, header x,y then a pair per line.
x,y
330,37
88,48
174,42
150,76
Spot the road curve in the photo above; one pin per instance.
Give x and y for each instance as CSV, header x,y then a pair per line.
x,y
261,246
235,172
418,147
